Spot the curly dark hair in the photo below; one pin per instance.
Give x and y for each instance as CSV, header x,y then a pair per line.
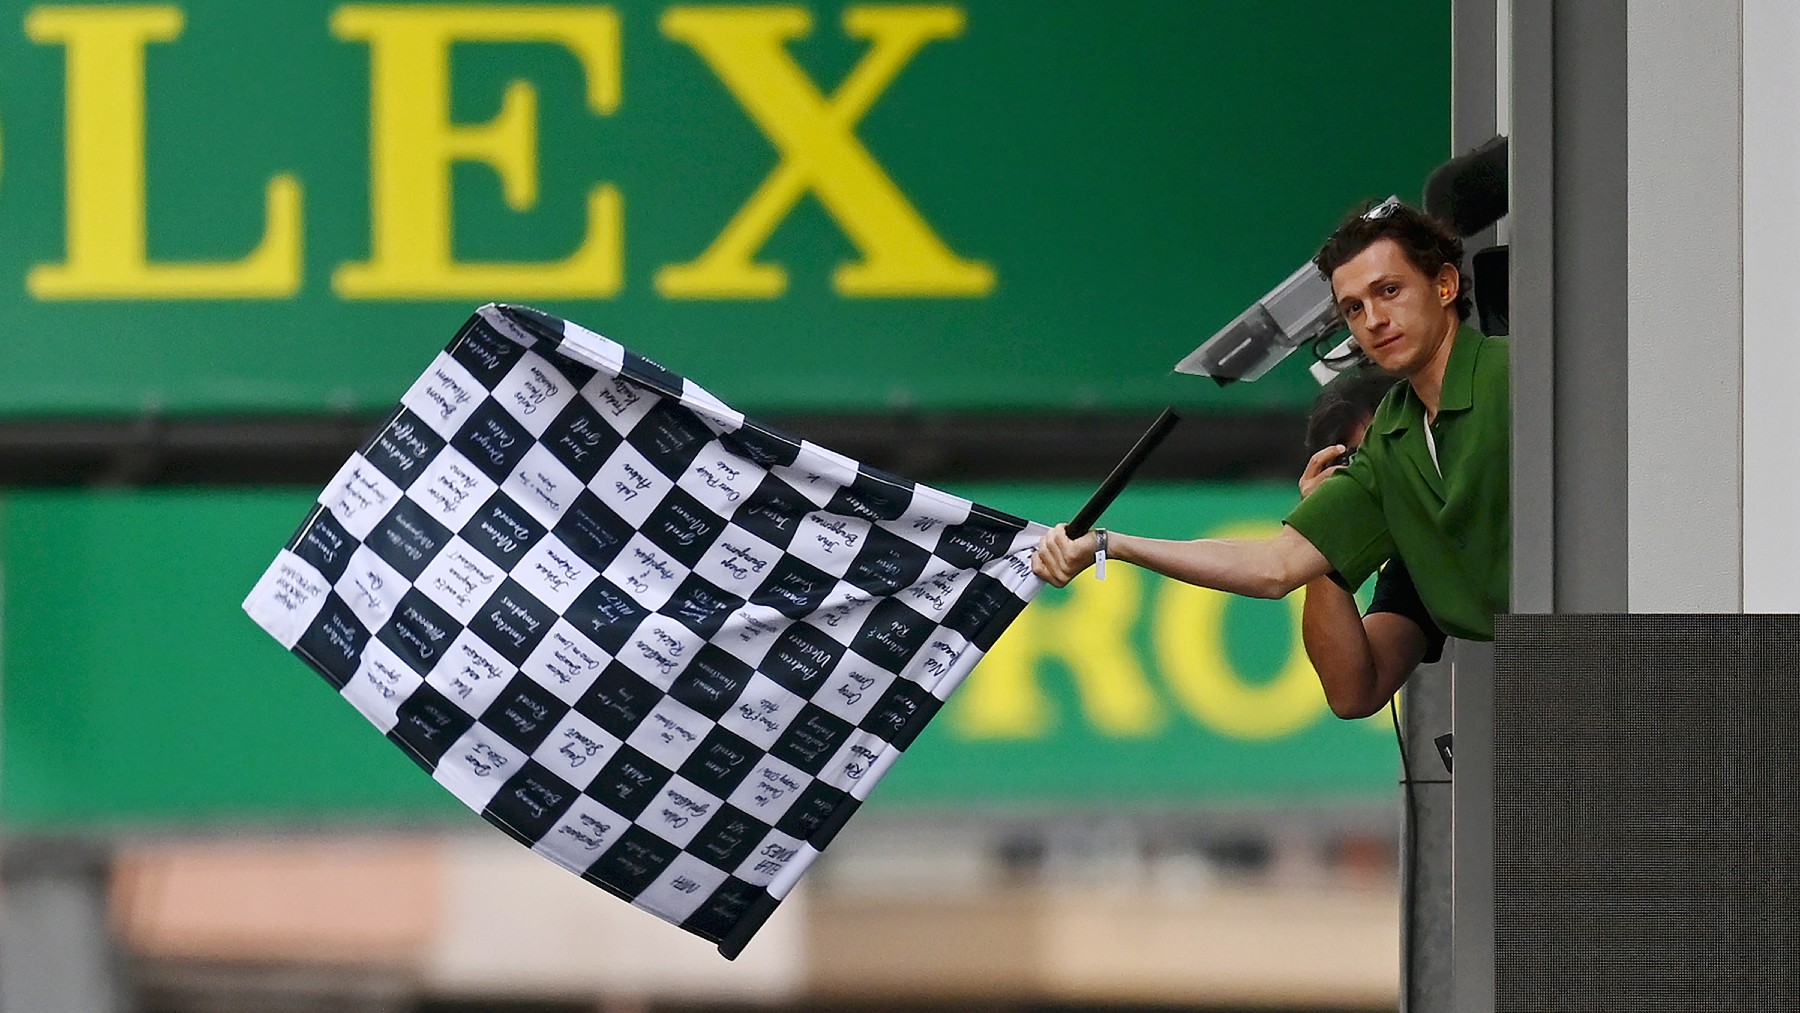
x,y
1343,404
1428,244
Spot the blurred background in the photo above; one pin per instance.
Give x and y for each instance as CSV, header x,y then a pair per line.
x,y
961,242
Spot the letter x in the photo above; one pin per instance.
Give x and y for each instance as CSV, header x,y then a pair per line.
x,y
819,152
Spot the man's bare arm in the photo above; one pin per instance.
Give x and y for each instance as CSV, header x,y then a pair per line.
x,y
1362,661
1266,568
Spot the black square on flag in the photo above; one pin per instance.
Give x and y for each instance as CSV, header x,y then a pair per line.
x,y
650,373
606,615
816,814
794,588
486,353
711,682
419,631
593,530
493,440
403,449
577,373
700,606
976,542
618,700
408,538
772,513
631,865
542,327
530,803
327,546
902,712
892,634
886,563
811,739
628,782
334,641
670,437
722,911
872,496
983,610
524,713
721,762
728,838
801,658
429,725
513,621
502,530
580,439
682,527
761,447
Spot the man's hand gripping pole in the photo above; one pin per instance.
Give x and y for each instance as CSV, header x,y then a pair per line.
x,y
1109,490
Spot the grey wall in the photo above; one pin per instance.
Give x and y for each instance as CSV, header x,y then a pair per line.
x,y
1685,290
1771,223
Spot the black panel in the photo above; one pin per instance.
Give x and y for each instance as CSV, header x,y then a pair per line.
x,y
1647,812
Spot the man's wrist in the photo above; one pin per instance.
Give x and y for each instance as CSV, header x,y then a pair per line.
x,y
1115,546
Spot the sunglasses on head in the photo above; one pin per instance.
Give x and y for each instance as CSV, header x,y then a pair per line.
x,y
1382,210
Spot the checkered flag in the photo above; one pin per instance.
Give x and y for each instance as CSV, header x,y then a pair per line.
x,y
666,648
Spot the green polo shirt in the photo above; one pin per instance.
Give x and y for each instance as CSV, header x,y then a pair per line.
x,y
1449,522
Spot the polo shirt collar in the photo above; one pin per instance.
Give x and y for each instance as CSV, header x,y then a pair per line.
x,y
1458,392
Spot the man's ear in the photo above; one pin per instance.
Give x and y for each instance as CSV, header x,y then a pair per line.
x,y
1449,284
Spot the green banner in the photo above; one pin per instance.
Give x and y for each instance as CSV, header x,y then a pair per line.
x,y
136,692
1143,691
213,205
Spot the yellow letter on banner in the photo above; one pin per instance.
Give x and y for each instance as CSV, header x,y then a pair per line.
x,y
1090,634
108,256
820,153
413,144
1190,635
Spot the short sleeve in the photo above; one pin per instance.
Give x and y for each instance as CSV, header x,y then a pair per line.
x,y
1343,520
1396,593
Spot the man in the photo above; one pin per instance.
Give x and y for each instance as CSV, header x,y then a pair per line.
x,y
1431,483
1362,660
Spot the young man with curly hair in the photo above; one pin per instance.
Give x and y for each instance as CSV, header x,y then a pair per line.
x,y
1431,483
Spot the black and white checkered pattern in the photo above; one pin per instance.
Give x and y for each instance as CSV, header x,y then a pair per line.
x,y
668,649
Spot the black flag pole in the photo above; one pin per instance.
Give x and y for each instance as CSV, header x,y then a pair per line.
x,y
1121,474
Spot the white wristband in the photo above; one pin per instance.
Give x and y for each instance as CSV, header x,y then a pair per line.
x,y
1099,553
